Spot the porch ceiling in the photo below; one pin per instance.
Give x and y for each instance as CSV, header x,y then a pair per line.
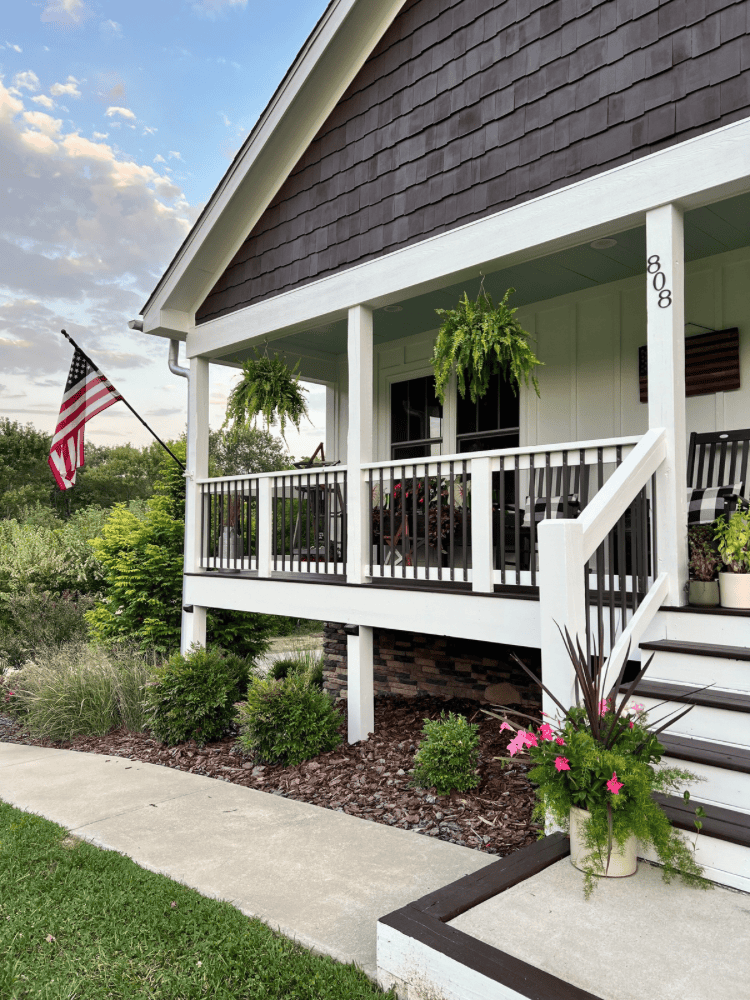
x,y
710,230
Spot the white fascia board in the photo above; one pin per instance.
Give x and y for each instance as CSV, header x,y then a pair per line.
x,y
331,58
169,323
693,173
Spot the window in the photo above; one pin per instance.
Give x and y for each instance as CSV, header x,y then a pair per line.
x,y
416,418
490,423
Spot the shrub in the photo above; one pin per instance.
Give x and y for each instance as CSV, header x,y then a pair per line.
x,y
287,721
448,755
30,622
307,663
79,690
193,696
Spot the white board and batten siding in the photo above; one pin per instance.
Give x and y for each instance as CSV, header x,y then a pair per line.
x,y
588,341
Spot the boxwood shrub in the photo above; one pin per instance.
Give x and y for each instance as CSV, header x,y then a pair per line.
x,y
448,754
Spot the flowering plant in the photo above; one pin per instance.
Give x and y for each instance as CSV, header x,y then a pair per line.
x,y
601,757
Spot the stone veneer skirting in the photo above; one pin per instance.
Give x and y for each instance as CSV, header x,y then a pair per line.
x,y
410,664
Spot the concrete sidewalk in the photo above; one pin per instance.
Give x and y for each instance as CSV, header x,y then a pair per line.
x,y
320,877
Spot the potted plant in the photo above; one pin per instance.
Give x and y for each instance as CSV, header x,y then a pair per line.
x,y
268,388
733,537
479,339
703,585
595,771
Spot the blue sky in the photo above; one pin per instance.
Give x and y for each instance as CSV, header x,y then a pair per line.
x,y
117,121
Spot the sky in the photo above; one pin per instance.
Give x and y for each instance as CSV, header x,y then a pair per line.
x,y
117,122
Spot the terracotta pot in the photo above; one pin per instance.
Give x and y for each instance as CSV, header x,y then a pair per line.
x,y
735,590
624,860
704,593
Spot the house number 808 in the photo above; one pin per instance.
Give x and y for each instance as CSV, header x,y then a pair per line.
x,y
659,281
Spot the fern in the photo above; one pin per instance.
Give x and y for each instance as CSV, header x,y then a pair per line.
x,y
479,339
269,388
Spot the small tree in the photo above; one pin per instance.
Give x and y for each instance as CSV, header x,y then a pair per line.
x,y
248,450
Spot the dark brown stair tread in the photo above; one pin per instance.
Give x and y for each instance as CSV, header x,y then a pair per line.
x,y
730,701
719,822
695,610
698,649
705,752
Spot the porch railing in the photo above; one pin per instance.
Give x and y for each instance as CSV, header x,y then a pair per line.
x,y
474,519
275,522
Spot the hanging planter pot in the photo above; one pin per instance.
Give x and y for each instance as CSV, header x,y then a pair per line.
x,y
478,340
269,388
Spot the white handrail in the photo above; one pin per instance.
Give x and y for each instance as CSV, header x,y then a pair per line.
x,y
610,503
537,449
247,476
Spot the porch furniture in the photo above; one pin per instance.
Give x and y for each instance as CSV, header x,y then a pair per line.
x,y
718,458
553,492
323,505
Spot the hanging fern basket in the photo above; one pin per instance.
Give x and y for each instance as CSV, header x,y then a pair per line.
x,y
270,389
478,340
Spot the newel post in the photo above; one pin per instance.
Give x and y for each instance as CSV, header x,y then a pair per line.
x,y
561,602
360,689
665,294
194,622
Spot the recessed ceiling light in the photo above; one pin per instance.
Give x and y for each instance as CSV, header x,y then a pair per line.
x,y
604,244
393,309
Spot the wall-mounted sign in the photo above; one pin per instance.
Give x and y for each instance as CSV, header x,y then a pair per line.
x,y
712,363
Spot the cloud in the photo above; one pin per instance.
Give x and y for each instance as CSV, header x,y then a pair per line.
x,y
28,80
110,29
224,119
159,158
148,130
125,112
210,8
70,88
11,45
100,135
46,102
83,241
174,155
64,13
165,411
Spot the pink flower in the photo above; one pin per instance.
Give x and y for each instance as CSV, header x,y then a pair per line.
x,y
530,740
545,732
631,724
562,763
560,741
506,726
603,707
613,784
516,745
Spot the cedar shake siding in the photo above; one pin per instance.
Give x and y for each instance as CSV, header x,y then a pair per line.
x,y
468,107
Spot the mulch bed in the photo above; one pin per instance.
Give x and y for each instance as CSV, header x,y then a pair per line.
x,y
369,779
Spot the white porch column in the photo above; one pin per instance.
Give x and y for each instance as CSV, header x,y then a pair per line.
x,y
359,685
194,623
481,526
561,602
665,290
359,442
360,693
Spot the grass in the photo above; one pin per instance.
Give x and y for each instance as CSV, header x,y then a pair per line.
x,y
79,923
81,689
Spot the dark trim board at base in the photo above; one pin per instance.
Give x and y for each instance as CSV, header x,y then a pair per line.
x,y
426,921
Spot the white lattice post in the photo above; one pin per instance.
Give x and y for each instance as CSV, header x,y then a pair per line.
x,y
561,603
665,292
360,692
194,622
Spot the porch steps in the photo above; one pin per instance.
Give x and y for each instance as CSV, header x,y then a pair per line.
x,y
713,740
698,663
725,626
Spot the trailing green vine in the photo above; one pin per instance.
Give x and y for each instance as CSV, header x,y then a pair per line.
x,y
268,388
479,339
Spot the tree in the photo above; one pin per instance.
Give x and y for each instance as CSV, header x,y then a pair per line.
x,y
25,477
142,558
252,450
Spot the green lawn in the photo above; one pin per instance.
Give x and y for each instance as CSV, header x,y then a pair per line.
x,y
79,923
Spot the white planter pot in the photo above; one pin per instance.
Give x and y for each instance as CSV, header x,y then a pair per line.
x,y
624,860
735,590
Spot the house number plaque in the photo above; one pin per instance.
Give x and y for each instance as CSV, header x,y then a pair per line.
x,y
659,281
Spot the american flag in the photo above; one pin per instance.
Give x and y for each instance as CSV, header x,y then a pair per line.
x,y
87,393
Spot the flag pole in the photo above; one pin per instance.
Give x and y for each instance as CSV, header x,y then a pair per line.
x,y
93,365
